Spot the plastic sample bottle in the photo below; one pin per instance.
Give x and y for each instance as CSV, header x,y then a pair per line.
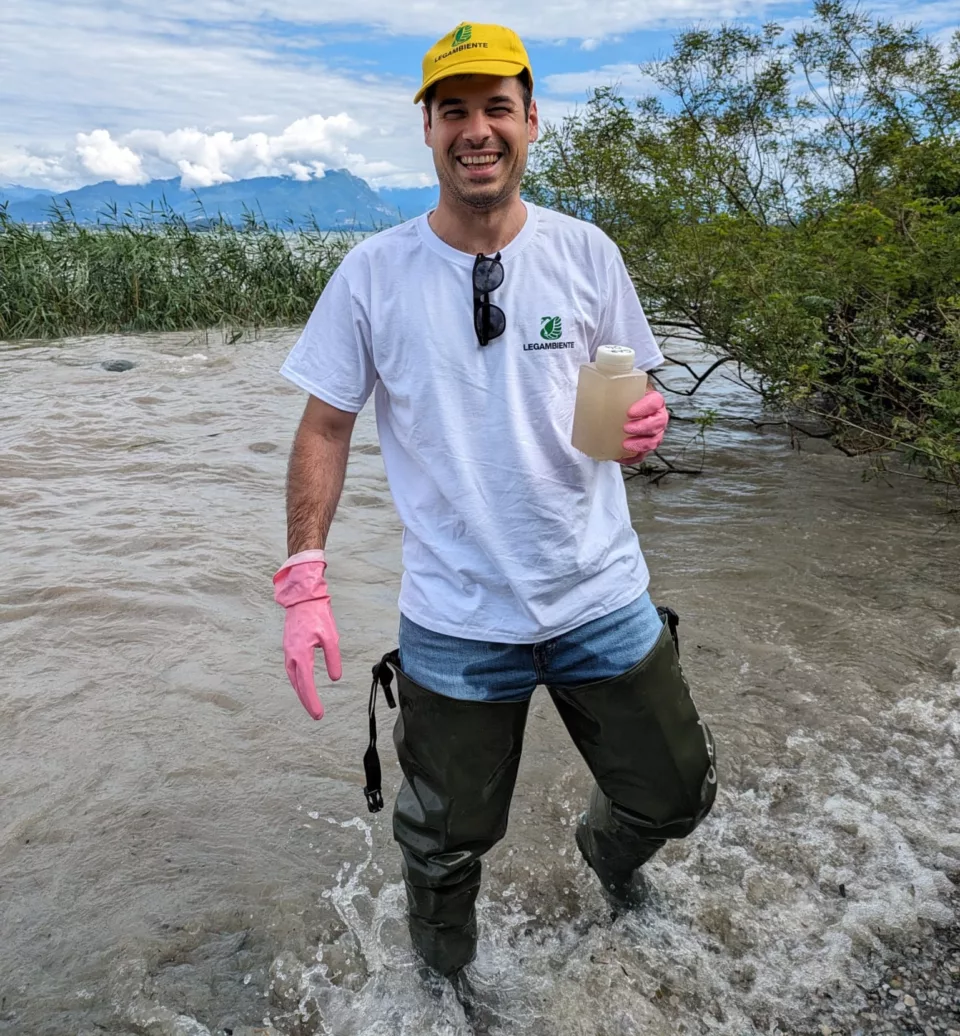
x,y
606,390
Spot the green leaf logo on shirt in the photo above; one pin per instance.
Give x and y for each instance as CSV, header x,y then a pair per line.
x,y
551,328
462,35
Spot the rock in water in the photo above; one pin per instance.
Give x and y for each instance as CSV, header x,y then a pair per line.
x,y
117,365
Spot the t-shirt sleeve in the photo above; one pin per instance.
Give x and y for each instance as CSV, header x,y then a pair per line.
x,y
622,320
332,358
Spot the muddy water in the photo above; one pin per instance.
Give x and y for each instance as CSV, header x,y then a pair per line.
x,y
182,851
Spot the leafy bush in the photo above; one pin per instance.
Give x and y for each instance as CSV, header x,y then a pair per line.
x,y
794,204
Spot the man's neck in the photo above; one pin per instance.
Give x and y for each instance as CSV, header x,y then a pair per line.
x,y
474,232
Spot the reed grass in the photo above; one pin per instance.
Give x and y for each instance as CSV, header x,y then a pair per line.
x,y
154,270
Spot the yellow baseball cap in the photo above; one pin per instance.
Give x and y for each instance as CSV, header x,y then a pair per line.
x,y
490,50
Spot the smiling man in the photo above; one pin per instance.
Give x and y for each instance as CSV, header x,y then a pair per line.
x,y
521,564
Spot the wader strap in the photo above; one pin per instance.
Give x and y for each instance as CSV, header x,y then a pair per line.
x,y
670,616
382,677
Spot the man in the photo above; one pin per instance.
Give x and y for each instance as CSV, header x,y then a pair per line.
x,y
521,566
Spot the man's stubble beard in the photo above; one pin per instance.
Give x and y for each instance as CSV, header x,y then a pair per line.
x,y
481,200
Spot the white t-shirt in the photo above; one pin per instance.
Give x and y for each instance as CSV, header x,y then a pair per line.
x,y
510,534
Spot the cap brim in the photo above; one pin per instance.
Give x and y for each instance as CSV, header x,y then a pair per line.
x,y
474,67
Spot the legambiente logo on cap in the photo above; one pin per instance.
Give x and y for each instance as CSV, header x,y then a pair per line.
x,y
461,41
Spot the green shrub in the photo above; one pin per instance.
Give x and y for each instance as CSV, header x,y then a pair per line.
x,y
793,203
155,271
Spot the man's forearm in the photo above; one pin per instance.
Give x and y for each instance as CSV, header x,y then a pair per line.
x,y
318,464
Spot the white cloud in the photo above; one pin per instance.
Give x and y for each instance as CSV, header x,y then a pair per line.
x,y
568,19
125,77
102,156
307,146
16,166
181,85
946,36
929,15
628,76
305,149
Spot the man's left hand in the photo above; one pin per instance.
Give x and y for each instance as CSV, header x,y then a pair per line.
x,y
645,426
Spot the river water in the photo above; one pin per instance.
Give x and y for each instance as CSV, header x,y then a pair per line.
x,y
183,851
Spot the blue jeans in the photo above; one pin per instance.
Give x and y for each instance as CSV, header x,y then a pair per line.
x,y
476,670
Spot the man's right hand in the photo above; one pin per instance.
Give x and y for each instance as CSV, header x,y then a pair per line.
x,y
299,586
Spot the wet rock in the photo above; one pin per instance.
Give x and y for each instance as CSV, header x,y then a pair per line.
x,y
286,978
295,1010
153,1019
917,993
117,365
346,965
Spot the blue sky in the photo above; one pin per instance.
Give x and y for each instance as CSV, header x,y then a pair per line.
x,y
216,90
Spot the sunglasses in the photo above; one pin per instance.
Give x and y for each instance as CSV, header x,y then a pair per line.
x,y
488,320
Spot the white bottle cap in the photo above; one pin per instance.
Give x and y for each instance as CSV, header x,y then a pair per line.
x,y
615,359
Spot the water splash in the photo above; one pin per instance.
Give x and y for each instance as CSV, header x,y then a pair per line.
x,y
775,913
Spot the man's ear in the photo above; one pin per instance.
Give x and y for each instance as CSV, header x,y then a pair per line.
x,y
426,126
533,123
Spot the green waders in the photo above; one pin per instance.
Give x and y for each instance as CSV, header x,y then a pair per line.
x,y
639,733
652,757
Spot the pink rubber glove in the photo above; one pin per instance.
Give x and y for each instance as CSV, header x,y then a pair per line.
x,y
299,587
645,426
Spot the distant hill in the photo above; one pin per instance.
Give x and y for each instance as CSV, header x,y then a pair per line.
x,y
339,200
411,201
12,192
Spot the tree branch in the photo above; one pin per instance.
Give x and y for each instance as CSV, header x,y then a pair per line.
x,y
700,379
803,431
660,473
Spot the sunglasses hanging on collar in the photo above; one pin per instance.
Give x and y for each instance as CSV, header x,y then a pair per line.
x,y
489,320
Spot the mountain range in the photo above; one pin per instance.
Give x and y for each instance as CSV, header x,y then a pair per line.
x,y
337,200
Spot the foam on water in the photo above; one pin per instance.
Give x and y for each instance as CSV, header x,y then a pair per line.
x,y
779,907
776,911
